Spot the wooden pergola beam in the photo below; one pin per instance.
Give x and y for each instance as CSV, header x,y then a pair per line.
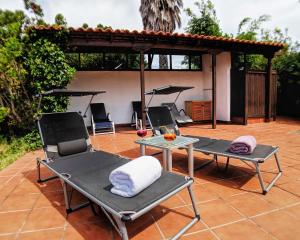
x,y
268,89
142,85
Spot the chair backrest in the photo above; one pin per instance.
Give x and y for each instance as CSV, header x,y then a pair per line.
x,y
57,128
98,112
137,107
161,116
173,108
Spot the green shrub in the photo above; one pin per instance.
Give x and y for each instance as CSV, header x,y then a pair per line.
x,y
11,150
3,113
32,141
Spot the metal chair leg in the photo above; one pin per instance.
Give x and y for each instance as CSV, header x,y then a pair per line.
x,y
195,219
266,189
39,179
122,228
227,163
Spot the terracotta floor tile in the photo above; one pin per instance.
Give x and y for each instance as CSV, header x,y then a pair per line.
x,y
84,231
217,212
48,199
248,184
250,204
53,185
292,187
26,187
19,202
294,210
172,202
12,221
3,180
280,197
280,224
205,235
142,228
85,215
170,221
202,194
241,230
53,234
223,188
215,191
42,218
8,237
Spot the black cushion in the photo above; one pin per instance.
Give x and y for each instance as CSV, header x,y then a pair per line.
x,y
72,147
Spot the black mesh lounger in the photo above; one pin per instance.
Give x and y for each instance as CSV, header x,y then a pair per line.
x,y
70,157
161,116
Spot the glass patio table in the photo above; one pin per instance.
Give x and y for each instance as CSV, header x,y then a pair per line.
x,y
167,147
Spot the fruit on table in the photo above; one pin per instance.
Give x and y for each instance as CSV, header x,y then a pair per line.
x,y
169,136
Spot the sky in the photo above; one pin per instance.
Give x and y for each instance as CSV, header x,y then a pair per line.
x,y
124,14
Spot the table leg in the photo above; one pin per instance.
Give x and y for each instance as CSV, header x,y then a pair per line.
x,y
190,160
142,150
165,159
169,154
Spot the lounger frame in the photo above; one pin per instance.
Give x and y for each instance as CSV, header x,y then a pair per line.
x,y
265,188
256,162
118,219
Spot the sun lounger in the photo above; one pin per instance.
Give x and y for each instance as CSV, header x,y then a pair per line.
x,y
161,116
71,158
179,116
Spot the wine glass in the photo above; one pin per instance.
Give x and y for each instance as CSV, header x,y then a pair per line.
x,y
141,132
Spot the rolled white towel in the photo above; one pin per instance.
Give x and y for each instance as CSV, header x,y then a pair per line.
x,y
133,177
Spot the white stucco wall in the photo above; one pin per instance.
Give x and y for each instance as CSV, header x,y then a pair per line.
x,y
223,66
123,87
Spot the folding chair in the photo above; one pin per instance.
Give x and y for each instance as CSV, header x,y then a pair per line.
x,y
71,158
179,116
101,121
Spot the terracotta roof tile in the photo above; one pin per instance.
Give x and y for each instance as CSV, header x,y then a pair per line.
x,y
162,34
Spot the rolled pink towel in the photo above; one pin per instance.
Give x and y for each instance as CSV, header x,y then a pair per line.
x,y
243,145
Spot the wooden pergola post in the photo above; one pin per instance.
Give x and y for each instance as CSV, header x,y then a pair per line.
x,y
142,84
214,95
246,90
268,89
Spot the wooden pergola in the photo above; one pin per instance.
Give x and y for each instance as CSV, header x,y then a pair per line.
x,y
148,42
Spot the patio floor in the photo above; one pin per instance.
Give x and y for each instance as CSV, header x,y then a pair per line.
x,y
231,204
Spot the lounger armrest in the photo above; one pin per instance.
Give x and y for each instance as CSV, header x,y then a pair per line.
x,y
93,122
108,116
182,110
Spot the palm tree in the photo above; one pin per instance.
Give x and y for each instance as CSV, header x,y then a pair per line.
x,y
161,15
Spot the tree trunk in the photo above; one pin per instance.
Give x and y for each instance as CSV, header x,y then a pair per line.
x,y
163,62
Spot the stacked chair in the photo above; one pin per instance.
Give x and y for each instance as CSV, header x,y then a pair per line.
x,y
101,121
179,116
